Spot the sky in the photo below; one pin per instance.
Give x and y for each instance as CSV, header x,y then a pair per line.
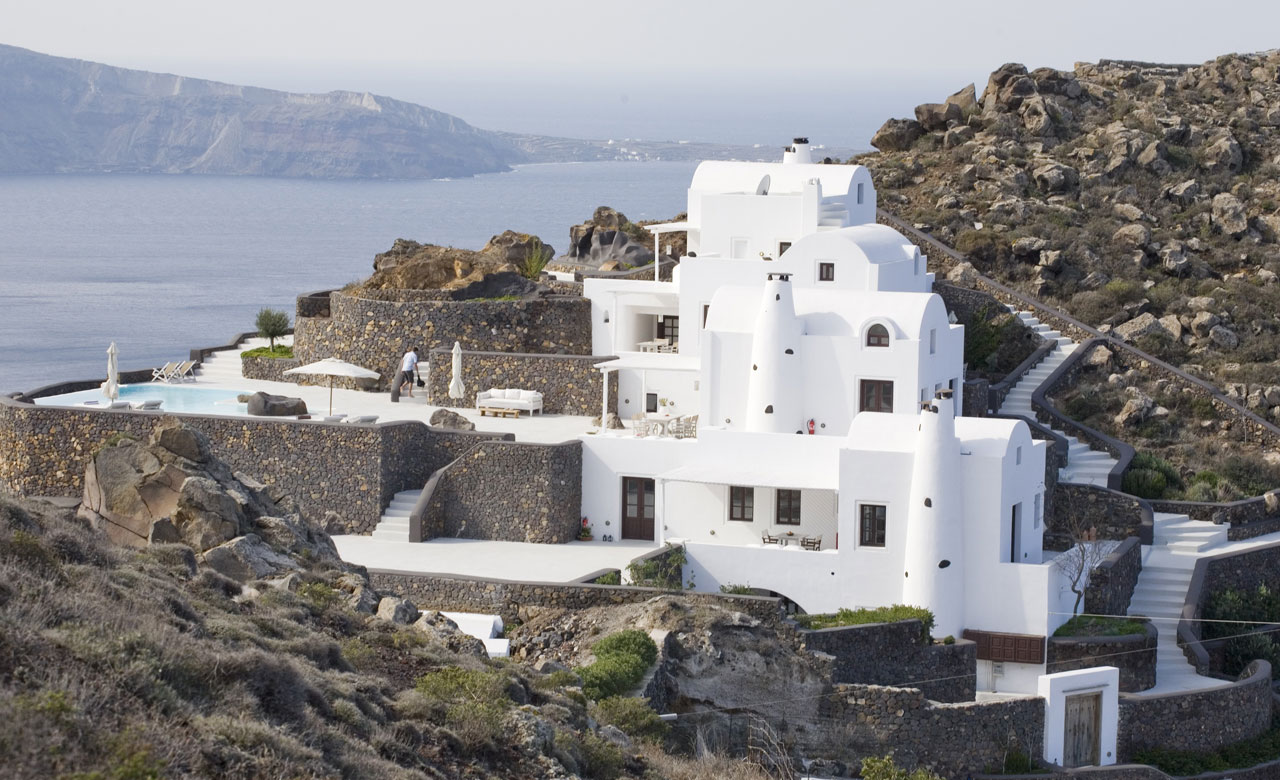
x,y
744,71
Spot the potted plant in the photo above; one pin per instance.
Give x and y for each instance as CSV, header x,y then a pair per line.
x,y
584,533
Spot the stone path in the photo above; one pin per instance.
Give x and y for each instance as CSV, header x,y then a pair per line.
x,y
1085,465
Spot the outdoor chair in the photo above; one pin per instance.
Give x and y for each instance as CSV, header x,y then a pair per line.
x,y
768,538
811,542
639,425
182,372
151,404
685,427
362,419
162,374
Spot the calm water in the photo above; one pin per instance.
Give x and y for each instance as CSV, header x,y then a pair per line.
x,y
161,264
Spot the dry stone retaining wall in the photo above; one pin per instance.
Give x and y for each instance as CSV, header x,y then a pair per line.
x,y
269,369
353,470
1199,721
1114,514
570,384
375,333
509,491
1134,655
1111,584
891,654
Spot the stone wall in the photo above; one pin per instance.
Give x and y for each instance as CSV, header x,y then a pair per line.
x,y
891,654
1266,771
509,491
514,600
1134,655
1115,515
570,384
1244,570
1112,582
375,333
353,470
268,369
312,304
950,739
1198,721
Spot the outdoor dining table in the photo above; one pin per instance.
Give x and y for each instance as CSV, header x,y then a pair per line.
x,y
661,419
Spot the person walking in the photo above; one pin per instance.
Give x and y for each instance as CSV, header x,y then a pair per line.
x,y
407,375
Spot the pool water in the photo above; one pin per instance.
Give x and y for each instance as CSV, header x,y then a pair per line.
x,y
192,400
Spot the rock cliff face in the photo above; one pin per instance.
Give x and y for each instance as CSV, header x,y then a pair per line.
x,y
71,116
1138,197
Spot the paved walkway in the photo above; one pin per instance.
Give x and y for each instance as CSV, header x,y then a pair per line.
x,y
492,560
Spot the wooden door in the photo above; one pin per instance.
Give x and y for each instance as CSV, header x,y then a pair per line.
x,y
637,508
1083,738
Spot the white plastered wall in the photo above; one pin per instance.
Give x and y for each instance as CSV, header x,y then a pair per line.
x,y
1055,688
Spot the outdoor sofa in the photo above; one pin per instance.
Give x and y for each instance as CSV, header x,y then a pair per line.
x,y
521,400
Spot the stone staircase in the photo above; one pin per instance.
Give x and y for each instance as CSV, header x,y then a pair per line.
x,y
1162,589
1084,464
223,367
394,525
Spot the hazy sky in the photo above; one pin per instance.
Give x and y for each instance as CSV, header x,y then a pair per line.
x,y
742,71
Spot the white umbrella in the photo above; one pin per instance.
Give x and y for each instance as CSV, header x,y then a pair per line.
x,y
456,390
111,387
332,367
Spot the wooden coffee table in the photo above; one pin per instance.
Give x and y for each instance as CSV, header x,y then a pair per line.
x,y
498,411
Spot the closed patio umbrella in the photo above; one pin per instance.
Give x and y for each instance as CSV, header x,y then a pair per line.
x,y
456,390
111,387
333,367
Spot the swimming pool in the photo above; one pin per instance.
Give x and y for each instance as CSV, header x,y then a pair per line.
x,y
192,400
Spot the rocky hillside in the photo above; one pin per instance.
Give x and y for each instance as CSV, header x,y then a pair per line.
x,y
1143,199
226,639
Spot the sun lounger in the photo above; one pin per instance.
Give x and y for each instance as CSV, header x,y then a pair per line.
x,y
183,372
333,417
151,404
118,405
362,419
162,374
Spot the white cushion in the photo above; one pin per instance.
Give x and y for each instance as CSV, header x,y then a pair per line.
x,y
494,392
513,394
530,395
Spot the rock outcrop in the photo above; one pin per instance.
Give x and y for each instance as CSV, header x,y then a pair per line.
x,y
610,238
267,405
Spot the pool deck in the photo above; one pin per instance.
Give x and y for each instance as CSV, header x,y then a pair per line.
x,y
519,561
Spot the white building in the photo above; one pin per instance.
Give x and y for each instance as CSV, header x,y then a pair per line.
x,y
826,379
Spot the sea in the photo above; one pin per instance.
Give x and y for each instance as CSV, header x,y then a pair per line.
x,y
162,264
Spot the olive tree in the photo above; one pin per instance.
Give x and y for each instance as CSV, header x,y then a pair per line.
x,y
272,324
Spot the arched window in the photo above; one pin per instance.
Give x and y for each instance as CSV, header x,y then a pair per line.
x,y
877,336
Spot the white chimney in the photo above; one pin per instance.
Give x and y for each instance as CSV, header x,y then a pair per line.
x,y
775,393
797,153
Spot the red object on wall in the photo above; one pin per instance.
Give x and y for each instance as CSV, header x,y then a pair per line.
x,y
810,426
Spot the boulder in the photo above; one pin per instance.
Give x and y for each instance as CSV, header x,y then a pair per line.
x,y
1200,303
364,600
957,136
1051,260
1135,411
445,631
1139,326
293,535
206,514
1135,236
1029,246
397,610
126,489
1153,158
1229,214
451,420
965,99
248,558
1224,337
897,135
499,284
1272,500
1099,357
1006,88
612,422
1036,116
1172,326
1055,177
1223,154
266,405
512,247
936,116
1174,259
1184,193
1128,211
182,441
963,274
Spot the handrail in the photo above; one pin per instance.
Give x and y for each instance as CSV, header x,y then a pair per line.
x,y
1110,340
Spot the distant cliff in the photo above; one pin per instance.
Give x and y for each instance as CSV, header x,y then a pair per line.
x,y
71,116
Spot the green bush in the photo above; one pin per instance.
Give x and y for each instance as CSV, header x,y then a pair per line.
x,y
278,351
1250,752
1240,651
272,324
1149,476
633,716
737,590
534,262
621,661
1087,625
1251,475
1260,604
856,617
611,578
319,595
473,703
885,769
665,571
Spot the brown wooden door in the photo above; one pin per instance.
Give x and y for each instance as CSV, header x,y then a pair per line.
x,y
1083,739
637,508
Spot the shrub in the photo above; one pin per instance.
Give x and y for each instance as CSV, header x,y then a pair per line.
x,y
1252,476
633,716
885,769
272,324
665,571
473,702
855,617
319,595
1240,651
621,661
536,260
1150,476
609,578
1087,625
278,351
629,642
737,590
1250,752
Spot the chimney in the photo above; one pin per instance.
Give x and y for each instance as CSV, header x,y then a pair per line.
x,y
774,383
797,153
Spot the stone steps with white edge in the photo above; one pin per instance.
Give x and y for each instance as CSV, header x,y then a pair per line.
x,y
394,525
225,366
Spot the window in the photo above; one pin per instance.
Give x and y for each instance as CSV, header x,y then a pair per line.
x,y
669,328
859,193
1035,520
788,507
738,248
826,272
783,246
651,402
706,309
877,336
1017,461
871,524
876,396
933,340
742,503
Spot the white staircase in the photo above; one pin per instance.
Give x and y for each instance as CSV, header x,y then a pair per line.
x,y
223,367
1162,589
394,525
833,216
1084,464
